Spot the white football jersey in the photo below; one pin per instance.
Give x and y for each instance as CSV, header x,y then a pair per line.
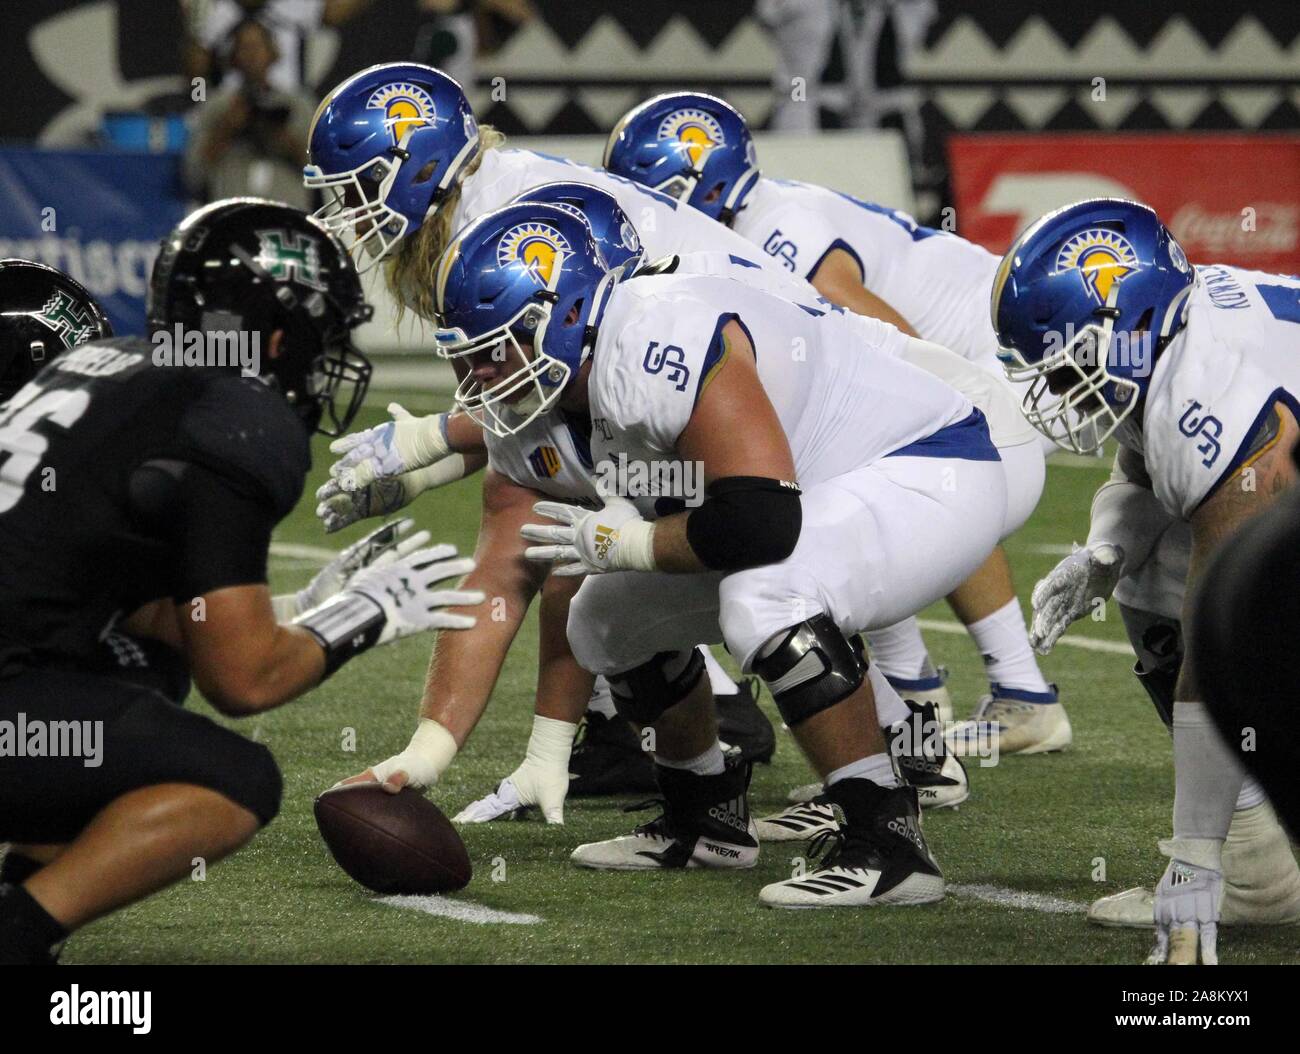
x,y
664,225
843,396
937,281
550,455
1238,354
1007,425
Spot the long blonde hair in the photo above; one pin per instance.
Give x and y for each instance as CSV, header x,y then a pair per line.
x,y
409,272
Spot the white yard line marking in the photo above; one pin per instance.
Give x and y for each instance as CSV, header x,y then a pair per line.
x,y
460,910
1016,898
1051,549
1110,647
1064,459
312,554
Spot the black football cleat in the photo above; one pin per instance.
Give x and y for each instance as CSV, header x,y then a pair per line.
x,y
877,856
608,759
923,760
705,823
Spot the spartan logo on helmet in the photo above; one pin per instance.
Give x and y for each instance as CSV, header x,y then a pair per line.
x,y
1102,258
73,322
290,256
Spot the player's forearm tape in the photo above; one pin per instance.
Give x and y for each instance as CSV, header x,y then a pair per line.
x,y
430,441
448,470
1207,776
551,742
746,521
345,625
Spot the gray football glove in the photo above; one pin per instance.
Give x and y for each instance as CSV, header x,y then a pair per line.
x,y
1070,590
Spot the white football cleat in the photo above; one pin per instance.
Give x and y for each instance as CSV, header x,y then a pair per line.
x,y
798,823
877,857
805,793
1019,722
1261,882
705,823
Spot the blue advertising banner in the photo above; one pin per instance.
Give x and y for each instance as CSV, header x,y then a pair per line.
x,y
96,215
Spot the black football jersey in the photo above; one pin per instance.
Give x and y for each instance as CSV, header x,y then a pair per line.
x,y
83,542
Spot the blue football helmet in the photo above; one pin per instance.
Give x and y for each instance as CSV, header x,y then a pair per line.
x,y
1083,303
525,285
386,146
615,236
693,147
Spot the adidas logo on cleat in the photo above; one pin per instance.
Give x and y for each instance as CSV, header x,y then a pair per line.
x,y
732,814
906,827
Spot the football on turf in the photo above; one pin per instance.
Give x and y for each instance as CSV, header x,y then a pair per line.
x,y
392,843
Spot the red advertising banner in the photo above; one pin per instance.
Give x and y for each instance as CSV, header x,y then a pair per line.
x,y
1228,198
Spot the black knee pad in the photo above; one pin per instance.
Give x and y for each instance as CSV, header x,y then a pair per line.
x,y
809,668
643,693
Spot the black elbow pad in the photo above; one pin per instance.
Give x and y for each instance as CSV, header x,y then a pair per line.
x,y
746,521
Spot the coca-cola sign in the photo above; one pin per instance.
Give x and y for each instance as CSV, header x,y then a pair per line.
x,y
1228,198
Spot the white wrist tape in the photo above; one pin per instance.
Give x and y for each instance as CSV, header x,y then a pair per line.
x,y
425,758
429,442
636,546
448,470
550,742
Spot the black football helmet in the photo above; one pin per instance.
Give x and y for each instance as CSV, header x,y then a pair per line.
x,y
257,266
43,313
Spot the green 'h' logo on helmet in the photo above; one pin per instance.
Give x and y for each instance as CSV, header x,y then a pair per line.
x,y
290,256
73,322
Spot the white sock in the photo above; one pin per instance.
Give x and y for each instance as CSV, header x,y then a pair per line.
x,y
719,680
709,763
890,708
601,702
878,768
900,651
1004,643
1207,776
1252,794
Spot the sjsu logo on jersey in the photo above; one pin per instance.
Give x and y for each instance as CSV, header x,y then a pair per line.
x,y
697,131
1101,257
535,245
545,462
1205,427
67,318
406,107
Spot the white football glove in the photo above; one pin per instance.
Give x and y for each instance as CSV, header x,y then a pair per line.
x,y
542,780
1070,589
383,545
392,449
404,589
612,538
1187,904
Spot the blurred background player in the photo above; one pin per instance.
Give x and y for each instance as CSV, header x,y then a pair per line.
x,y
247,137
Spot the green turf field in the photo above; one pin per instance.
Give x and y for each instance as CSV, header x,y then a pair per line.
x,y
1040,825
